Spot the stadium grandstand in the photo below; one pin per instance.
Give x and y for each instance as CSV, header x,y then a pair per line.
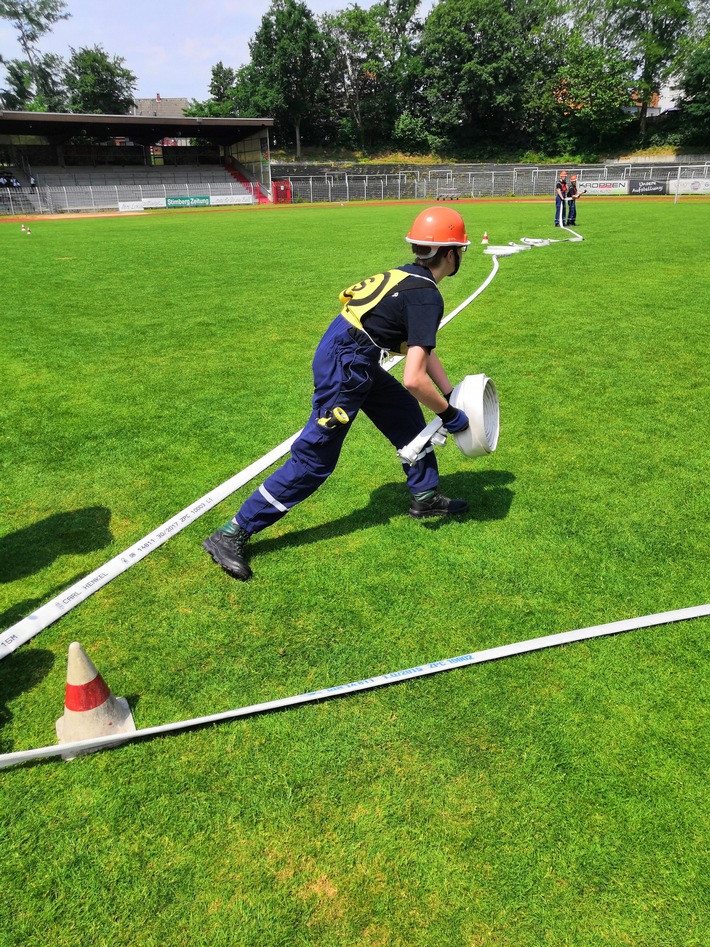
x,y
63,162
158,157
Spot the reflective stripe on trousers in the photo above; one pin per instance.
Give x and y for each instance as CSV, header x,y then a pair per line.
x,y
346,374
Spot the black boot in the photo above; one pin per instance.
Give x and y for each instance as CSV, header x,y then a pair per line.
x,y
431,503
226,546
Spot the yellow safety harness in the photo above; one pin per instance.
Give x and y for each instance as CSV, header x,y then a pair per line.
x,y
362,297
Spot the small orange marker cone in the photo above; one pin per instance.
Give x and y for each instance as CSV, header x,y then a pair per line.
x,y
485,237
90,709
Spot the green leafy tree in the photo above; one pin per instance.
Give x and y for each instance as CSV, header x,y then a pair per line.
x,y
18,92
480,61
372,66
284,75
35,87
97,83
34,80
222,84
650,31
221,103
32,19
650,34
589,93
351,74
694,100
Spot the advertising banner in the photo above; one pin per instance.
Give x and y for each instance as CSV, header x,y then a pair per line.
x,y
595,188
647,187
219,199
689,186
187,201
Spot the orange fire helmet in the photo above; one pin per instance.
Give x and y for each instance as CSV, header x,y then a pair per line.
x,y
438,227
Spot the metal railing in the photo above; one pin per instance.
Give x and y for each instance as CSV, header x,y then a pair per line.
x,y
449,184
342,187
92,198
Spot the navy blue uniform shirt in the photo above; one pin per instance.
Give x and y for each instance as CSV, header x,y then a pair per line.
x,y
410,314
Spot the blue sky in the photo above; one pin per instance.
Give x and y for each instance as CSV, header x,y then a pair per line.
x,y
170,45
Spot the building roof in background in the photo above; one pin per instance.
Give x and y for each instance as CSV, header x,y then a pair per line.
x,y
160,107
58,127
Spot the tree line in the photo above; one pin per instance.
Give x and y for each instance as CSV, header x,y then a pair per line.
x,y
89,81
548,76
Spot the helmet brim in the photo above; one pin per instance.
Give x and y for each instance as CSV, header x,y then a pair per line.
x,y
438,243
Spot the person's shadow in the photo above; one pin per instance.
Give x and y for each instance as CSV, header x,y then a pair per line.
x,y
18,674
22,609
487,492
29,550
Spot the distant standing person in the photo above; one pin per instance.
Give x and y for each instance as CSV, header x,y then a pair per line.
x,y
560,202
572,195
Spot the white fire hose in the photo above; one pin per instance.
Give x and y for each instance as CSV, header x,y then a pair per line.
x,y
477,397
25,629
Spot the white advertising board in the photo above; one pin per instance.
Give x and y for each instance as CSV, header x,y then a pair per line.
x,y
230,199
130,205
595,188
689,186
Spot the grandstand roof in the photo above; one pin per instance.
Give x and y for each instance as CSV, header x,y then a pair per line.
x,y
58,127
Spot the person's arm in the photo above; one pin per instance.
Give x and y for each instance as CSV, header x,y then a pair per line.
x,y
438,375
418,366
418,382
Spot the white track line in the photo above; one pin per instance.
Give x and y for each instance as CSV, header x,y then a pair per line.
x,y
396,677
53,610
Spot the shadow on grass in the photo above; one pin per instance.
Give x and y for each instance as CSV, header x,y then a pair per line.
x,y
19,673
35,547
22,609
488,494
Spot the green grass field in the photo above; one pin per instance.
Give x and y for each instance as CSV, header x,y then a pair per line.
x,y
557,798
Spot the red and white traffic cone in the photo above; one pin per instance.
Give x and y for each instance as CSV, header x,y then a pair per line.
x,y
90,709
485,237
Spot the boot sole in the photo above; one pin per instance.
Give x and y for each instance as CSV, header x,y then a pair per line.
x,y
243,576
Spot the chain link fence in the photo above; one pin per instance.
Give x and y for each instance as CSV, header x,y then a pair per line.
x,y
343,186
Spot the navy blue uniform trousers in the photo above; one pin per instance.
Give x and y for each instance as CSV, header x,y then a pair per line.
x,y
560,211
346,374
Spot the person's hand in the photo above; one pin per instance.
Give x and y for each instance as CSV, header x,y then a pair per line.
x,y
454,420
458,423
